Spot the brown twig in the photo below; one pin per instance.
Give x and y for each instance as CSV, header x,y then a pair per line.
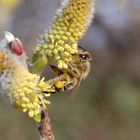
x,y
45,127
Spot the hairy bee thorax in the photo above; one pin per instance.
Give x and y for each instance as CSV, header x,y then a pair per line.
x,y
80,64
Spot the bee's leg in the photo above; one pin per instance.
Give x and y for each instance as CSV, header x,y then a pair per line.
x,y
56,86
56,70
69,85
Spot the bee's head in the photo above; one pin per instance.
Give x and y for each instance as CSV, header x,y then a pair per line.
x,y
84,55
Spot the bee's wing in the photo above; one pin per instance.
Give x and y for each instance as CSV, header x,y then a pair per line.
x,y
75,88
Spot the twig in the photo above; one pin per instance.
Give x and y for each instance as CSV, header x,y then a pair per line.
x,y
45,127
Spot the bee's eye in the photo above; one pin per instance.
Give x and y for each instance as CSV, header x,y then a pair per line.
x,y
16,47
83,56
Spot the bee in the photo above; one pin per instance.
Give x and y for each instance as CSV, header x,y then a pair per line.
x,y
69,79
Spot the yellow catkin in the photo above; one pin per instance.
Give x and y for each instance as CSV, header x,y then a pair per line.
x,y
69,26
23,88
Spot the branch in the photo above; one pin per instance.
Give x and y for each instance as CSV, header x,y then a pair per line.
x,y
45,128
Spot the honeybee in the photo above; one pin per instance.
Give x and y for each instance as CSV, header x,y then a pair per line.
x,y
78,69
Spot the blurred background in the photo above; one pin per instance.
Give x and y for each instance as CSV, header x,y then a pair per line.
x,y
107,105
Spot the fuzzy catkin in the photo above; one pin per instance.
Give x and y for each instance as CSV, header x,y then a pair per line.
x,y
68,27
23,88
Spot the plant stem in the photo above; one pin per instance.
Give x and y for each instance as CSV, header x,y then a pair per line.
x,y
45,128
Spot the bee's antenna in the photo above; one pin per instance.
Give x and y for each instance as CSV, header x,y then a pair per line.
x,y
81,47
